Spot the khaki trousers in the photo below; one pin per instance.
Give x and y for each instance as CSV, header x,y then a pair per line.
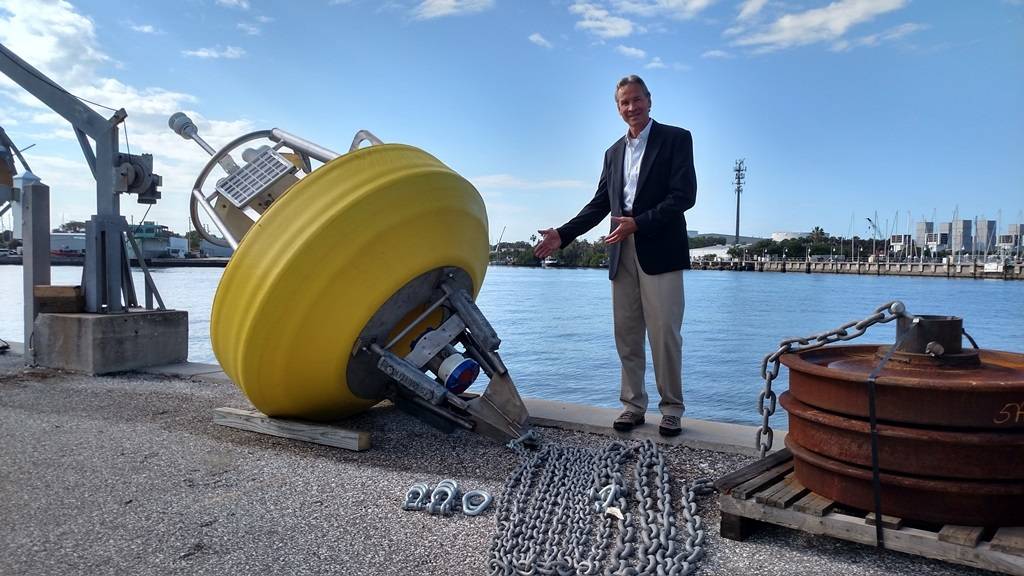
x,y
652,304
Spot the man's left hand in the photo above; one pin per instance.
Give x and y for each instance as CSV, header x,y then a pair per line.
x,y
626,226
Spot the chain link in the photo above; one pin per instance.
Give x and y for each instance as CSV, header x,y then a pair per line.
x,y
574,512
770,364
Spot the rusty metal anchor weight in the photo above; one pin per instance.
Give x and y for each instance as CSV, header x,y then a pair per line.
x,y
950,424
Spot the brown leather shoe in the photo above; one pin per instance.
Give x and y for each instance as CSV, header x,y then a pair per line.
x,y
627,421
670,426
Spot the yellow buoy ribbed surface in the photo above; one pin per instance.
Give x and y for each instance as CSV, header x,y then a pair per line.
x,y
324,258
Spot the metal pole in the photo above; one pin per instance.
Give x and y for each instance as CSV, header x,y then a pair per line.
x,y
315,151
35,222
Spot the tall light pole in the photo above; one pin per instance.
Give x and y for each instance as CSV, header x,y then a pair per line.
x,y
740,169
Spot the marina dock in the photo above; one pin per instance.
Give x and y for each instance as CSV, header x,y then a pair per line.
x,y
975,270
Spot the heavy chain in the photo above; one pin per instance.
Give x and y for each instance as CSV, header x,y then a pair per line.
x,y
767,399
563,508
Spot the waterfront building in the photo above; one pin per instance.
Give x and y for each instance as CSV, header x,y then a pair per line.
x,y
780,236
1011,241
938,241
211,250
155,241
901,243
960,237
728,237
922,231
1008,242
67,243
719,252
985,236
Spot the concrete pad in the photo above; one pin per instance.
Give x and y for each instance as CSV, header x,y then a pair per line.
x,y
105,343
703,434
183,369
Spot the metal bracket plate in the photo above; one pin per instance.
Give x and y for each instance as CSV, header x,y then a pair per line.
x,y
432,343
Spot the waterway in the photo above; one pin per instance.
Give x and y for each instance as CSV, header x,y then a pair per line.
x,y
555,324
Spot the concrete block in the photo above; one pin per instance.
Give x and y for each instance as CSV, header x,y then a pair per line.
x,y
104,343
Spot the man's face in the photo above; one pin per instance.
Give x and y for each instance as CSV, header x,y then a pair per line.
x,y
634,107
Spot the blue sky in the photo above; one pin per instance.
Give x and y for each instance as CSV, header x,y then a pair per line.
x,y
840,109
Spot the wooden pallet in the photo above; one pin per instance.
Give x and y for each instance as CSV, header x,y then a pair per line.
x,y
768,492
315,432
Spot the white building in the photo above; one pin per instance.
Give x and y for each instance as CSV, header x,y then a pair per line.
x,y
720,252
780,236
67,243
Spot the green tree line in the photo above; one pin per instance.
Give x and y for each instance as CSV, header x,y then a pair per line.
x,y
579,254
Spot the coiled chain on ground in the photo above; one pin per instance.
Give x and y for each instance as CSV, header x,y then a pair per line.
x,y
564,507
770,364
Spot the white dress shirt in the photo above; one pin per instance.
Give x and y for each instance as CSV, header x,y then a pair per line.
x,y
631,161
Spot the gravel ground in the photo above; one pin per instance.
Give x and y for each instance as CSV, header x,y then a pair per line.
x,y
128,475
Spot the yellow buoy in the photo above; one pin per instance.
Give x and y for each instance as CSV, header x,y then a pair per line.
x,y
352,282
324,258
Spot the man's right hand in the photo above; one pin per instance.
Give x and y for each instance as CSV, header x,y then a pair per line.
x,y
550,242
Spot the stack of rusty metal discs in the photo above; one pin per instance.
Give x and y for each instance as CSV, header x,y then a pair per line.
x,y
950,426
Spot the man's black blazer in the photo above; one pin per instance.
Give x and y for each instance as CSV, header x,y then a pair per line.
x,y
667,186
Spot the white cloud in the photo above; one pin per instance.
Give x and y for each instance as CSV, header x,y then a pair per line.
x,y
872,40
678,9
655,63
750,8
509,182
33,34
250,29
230,52
243,4
630,51
600,22
539,40
716,54
145,29
61,43
827,24
437,8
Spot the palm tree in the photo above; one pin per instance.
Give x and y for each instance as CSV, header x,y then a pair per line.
x,y
818,235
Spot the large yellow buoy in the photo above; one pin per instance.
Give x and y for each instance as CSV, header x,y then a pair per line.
x,y
353,282
324,258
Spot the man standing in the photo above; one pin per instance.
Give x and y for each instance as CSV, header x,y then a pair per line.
x,y
647,182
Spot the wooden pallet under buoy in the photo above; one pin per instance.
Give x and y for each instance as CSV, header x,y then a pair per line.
x,y
767,491
315,432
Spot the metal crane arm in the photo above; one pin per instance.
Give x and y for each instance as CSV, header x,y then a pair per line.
x,y
58,99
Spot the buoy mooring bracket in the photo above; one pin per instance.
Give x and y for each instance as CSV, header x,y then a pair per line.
x,y
497,413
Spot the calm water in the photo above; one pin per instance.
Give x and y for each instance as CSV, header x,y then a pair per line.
x,y
555,325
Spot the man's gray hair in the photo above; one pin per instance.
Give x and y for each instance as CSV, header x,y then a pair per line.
x,y
632,79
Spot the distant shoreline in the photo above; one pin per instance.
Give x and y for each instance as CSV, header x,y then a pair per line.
x,y
971,270
151,262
